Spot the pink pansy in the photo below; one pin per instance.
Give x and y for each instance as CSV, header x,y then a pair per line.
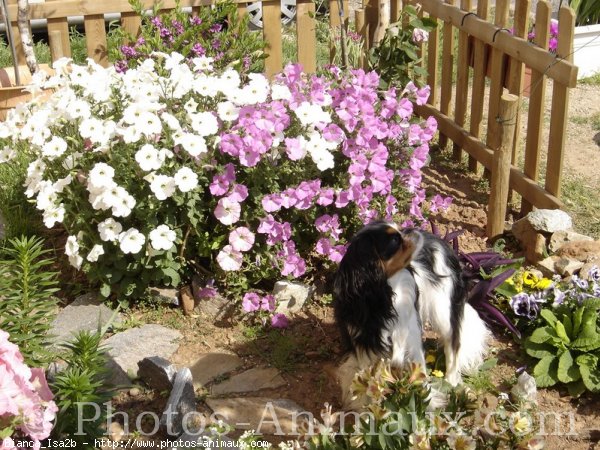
x,y
267,303
279,320
251,302
230,259
228,211
241,239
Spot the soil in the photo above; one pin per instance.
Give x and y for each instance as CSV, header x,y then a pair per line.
x,y
309,351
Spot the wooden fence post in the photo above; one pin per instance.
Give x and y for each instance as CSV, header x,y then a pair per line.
x,y
501,165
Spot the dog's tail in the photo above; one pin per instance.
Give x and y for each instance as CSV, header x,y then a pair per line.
x,y
473,343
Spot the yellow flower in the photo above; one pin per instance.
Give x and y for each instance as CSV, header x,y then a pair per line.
x,y
543,284
461,442
529,279
521,424
437,373
430,358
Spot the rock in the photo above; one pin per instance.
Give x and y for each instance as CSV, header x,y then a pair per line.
x,y
262,414
135,392
560,238
129,347
532,241
215,309
115,431
549,220
54,368
250,381
181,404
209,366
547,266
585,251
158,373
169,296
91,298
566,267
291,296
525,388
86,313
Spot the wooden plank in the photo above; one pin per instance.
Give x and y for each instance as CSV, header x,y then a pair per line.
x,y
306,35
60,26
501,166
537,100
432,64
372,18
395,8
447,68
560,105
18,43
480,59
518,181
132,24
361,26
462,80
95,38
497,79
272,34
561,70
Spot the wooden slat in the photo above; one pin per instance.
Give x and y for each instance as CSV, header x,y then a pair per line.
x,y
480,59
560,70
242,10
501,166
18,43
432,64
537,100
306,35
362,29
462,79
272,34
95,38
132,24
60,26
519,182
447,68
372,18
395,8
497,79
560,105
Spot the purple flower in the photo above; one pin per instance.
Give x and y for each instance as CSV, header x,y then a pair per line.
x,y
177,26
251,302
195,20
279,320
128,51
216,28
121,66
156,21
198,50
267,303
525,305
594,273
419,35
208,291
439,203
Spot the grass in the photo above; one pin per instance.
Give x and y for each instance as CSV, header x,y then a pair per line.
x,y
583,203
593,80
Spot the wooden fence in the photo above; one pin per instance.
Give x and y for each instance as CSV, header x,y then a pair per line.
x,y
56,13
482,60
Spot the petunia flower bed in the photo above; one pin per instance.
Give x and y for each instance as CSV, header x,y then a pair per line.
x,y
174,167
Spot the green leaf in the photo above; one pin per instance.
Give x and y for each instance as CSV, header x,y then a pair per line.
x,y
545,372
591,378
489,364
593,303
540,335
549,317
173,275
539,350
576,388
568,326
561,332
587,360
586,344
577,320
105,290
588,324
567,370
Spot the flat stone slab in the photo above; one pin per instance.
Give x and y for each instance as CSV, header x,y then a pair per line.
x,y
209,366
250,381
86,313
262,414
129,347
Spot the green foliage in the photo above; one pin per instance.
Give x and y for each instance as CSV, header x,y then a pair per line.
x,y
586,11
27,285
568,348
81,391
396,58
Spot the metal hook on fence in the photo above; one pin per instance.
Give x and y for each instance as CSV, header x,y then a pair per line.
x,y
497,31
462,22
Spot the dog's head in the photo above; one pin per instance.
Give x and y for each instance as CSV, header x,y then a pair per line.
x,y
362,296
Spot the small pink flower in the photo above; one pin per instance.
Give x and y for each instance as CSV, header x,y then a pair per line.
x,y
279,320
228,211
271,203
241,239
251,302
295,148
230,259
267,303
239,193
419,35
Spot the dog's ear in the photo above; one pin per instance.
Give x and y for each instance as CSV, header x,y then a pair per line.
x,y
363,299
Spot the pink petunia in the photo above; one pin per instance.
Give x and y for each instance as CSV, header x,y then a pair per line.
x,y
228,211
279,320
230,259
267,303
251,302
241,239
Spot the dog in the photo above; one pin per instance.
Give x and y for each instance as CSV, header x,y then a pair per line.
x,y
389,283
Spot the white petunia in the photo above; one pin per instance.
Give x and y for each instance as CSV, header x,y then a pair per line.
x,y
171,121
309,114
230,259
241,239
6,154
192,143
109,229
76,261
54,148
162,237
96,251
123,204
72,246
131,241
204,123
228,211
186,179
148,158
280,92
163,186
101,175
228,112
46,197
54,214
203,63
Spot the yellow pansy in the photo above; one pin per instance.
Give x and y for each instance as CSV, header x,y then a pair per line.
x,y
437,373
530,279
430,358
521,424
543,284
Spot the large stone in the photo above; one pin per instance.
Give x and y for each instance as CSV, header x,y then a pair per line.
x,y
525,389
209,366
215,309
250,381
86,313
291,296
158,373
547,266
566,267
262,414
129,347
581,250
560,238
532,241
181,405
169,296
549,220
